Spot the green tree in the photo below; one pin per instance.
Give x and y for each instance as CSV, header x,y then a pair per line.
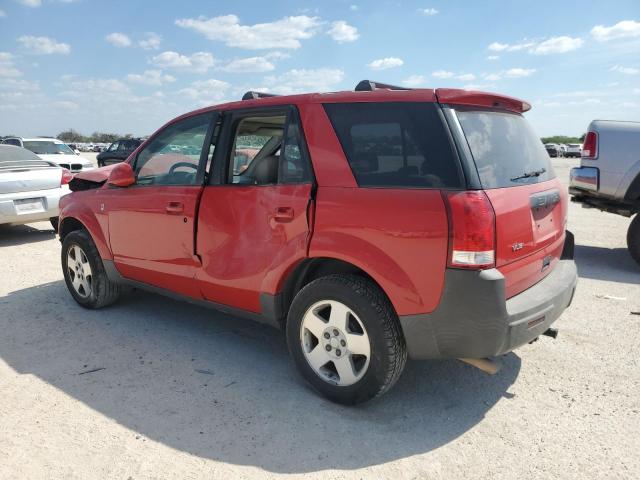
x,y
71,136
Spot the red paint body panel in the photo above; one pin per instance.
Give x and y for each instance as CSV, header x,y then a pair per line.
x,y
85,207
399,237
455,96
151,232
541,232
249,237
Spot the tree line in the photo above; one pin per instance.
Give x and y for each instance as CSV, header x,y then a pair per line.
x,y
563,139
73,136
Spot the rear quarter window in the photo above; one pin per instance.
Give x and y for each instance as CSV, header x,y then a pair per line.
x,y
401,145
505,148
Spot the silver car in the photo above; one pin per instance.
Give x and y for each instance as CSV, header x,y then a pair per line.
x,y
30,187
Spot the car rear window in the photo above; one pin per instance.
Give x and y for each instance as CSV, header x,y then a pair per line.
x,y
395,144
505,148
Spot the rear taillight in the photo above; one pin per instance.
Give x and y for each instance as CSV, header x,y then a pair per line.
x,y
590,146
67,176
472,232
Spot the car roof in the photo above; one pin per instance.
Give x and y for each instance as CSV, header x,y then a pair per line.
x,y
39,139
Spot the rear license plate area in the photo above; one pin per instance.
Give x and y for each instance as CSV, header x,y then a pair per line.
x,y
28,205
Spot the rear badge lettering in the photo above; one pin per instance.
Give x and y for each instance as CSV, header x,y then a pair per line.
x,y
517,246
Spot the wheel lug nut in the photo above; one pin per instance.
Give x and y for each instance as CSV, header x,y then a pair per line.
x,y
343,343
328,347
338,352
335,332
326,335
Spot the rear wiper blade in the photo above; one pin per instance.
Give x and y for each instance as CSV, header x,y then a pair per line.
x,y
534,173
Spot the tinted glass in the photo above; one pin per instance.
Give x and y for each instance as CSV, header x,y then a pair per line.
x,y
395,144
506,150
12,153
294,167
173,156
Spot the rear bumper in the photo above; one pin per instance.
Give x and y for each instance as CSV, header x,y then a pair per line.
x,y
585,178
50,199
473,319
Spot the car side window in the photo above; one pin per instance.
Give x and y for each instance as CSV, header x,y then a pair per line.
x,y
266,149
113,147
173,156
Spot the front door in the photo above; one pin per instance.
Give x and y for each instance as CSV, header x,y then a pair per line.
x,y
152,223
254,224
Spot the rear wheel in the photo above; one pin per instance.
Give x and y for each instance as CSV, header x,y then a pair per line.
x,y
345,338
84,272
633,238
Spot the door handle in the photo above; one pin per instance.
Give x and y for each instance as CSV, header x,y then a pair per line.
x,y
175,208
283,214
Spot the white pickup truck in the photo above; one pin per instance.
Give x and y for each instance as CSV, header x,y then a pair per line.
x,y
609,174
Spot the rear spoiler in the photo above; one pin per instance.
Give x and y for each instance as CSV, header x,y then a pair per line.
x,y
472,98
456,96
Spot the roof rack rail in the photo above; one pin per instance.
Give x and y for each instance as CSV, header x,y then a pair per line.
x,y
370,86
251,95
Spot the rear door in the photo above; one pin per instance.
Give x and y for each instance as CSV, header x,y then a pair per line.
x,y
529,202
253,220
152,223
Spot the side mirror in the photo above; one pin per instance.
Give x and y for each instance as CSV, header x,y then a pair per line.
x,y
121,175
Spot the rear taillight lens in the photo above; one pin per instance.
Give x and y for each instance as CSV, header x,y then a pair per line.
x,y
67,176
590,146
472,230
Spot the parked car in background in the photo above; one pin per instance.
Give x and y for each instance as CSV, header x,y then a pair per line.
x,y
30,187
53,150
74,147
552,149
368,225
609,174
563,150
574,150
118,151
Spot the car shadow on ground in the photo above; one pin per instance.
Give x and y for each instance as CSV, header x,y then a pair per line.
x,y
11,235
223,388
609,264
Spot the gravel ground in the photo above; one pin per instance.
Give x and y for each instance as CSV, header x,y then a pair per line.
x,y
153,388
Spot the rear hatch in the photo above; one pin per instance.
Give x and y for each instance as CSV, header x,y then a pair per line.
x,y
529,202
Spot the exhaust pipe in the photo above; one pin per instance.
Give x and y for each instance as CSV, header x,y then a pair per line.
x,y
487,365
551,332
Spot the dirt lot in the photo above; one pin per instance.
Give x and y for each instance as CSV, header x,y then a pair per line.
x,y
153,388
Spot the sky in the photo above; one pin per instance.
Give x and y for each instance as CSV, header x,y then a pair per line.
x,y
128,66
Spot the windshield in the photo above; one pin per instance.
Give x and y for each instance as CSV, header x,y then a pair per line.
x,y
506,150
43,147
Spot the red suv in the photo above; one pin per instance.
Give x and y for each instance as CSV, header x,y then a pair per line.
x,y
369,225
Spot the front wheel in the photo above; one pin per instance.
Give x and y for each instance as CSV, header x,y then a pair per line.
x,y
345,338
633,238
84,272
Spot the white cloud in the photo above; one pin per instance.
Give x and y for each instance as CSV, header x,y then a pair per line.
x,y
492,77
505,47
43,45
206,92
303,80
7,68
625,70
414,81
97,87
442,74
284,33
342,32
353,8
385,63
150,77
30,3
430,12
249,65
558,45
466,77
198,62
151,41
2,13
493,57
519,72
118,39
623,29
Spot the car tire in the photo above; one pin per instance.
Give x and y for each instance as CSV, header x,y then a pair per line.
x,y
353,373
633,238
55,222
90,287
